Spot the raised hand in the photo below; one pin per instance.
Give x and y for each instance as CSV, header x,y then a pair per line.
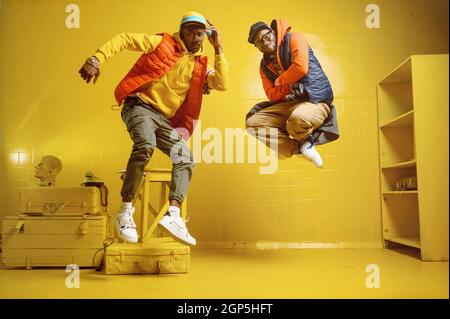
x,y
214,38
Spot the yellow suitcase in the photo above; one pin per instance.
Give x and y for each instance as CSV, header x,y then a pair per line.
x,y
151,257
54,241
62,201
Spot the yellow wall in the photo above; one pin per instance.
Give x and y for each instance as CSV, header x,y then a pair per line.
x,y
45,108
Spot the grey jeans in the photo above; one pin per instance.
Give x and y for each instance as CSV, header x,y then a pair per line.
x,y
148,129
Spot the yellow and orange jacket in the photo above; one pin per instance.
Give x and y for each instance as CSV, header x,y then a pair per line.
x,y
166,75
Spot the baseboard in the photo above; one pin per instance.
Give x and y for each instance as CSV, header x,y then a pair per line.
x,y
272,245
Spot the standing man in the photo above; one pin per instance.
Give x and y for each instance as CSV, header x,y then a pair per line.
x,y
300,95
162,92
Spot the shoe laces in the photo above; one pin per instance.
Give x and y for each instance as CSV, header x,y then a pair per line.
x,y
128,219
310,146
178,217
129,223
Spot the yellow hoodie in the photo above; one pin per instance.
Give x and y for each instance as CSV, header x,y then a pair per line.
x,y
168,92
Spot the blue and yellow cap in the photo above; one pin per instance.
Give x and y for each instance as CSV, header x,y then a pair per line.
x,y
193,17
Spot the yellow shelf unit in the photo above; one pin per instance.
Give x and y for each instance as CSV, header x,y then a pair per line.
x,y
413,103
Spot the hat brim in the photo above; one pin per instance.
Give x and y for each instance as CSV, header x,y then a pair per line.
x,y
195,23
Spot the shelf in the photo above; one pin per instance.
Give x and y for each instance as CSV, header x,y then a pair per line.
x,y
395,193
402,74
404,120
408,164
407,135
408,241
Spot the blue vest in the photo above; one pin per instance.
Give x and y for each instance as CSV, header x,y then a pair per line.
x,y
315,82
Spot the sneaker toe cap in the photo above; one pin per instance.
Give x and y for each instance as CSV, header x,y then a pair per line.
x,y
130,235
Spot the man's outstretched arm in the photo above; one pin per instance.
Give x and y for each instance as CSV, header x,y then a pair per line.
x,y
132,41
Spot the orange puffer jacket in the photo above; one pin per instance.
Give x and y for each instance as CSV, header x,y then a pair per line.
x,y
153,65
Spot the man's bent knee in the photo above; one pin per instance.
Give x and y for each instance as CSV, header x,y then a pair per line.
x,y
250,123
141,154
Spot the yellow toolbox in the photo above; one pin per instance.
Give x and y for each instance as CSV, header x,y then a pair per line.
x,y
54,241
151,257
62,201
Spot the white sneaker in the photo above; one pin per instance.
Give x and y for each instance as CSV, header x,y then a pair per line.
x,y
308,151
175,225
125,226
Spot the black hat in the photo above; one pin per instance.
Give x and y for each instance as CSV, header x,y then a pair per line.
x,y
255,28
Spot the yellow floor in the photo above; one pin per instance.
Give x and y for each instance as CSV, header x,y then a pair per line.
x,y
228,273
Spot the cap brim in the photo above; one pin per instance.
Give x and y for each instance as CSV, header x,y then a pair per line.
x,y
186,24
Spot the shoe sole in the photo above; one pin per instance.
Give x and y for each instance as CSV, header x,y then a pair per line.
x,y
174,235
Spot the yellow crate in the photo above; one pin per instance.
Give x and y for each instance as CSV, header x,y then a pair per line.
x,y
35,241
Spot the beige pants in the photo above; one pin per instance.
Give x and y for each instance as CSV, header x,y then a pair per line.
x,y
294,123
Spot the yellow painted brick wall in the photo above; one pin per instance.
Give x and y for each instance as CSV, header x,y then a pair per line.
x,y
45,108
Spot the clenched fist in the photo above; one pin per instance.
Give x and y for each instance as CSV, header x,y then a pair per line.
x,y
90,69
